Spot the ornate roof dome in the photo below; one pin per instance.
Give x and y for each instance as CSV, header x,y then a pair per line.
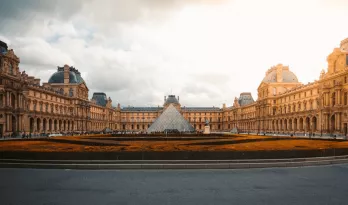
x,y
74,76
3,47
279,74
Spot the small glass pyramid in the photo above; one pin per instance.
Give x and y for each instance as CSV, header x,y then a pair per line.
x,y
170,120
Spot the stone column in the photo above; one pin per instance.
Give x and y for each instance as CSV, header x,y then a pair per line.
x,y
19,123
7,122
35,125
339,97
8,98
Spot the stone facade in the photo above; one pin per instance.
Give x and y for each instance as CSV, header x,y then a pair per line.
x,y
284,105
27,106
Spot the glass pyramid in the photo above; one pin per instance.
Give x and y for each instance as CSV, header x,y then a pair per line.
x,y
170,120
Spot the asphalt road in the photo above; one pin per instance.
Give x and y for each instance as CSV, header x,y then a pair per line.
x,y
306,185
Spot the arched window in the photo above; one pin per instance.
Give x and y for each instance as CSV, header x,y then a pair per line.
x,y
1,100
333,98
11,69
71,92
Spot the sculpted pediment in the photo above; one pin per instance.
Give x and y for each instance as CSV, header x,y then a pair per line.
x,y
83,86
10,54
263,84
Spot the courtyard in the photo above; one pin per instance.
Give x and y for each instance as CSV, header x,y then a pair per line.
x,y
170,143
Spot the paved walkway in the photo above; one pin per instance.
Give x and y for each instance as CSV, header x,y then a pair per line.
x,y
307,185
298,136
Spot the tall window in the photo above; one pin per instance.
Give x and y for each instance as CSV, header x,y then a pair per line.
x,y
11,69
1,100
333,98
345,98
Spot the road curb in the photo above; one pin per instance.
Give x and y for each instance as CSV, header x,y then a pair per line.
x,y
173,166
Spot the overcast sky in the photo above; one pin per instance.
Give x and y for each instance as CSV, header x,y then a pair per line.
x,y
205,51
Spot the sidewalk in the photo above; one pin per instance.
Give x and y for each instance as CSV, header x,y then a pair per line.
x,y
20,138
299,136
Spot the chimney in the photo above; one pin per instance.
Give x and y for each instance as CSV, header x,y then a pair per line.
x,y
279,73
178,99
66,74
165,98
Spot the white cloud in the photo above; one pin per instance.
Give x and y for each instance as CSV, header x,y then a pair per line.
x,y
206,52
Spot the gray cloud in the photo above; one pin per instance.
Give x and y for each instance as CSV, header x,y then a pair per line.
x,y
23,9
102,39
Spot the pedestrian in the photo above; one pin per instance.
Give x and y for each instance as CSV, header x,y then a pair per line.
x,y
29,135
23,135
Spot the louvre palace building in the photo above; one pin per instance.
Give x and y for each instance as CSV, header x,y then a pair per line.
x,y
283,105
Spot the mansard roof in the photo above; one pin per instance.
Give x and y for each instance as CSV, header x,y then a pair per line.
x,y
100,99
200,108
139,109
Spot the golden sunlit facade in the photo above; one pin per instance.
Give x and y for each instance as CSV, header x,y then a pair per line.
x,y
283,105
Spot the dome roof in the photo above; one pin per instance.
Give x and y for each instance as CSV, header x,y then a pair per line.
x,y
3,47
287,77
58,77
171,99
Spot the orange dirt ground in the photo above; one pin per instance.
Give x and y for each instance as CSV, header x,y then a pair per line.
x,y
105,143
